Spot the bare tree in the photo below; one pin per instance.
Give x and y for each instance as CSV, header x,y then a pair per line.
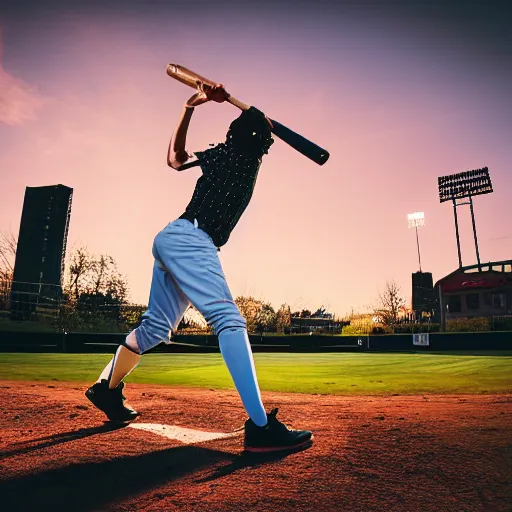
x,y
108,280
8,244
81,263
99,277
390,304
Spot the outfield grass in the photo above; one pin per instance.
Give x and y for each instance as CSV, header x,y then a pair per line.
x,y
326,373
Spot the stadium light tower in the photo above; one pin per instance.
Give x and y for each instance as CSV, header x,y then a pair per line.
x,y
417,220
460,186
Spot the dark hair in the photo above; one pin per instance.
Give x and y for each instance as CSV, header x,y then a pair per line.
x,y
250,133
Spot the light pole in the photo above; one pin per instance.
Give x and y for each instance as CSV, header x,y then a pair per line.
x,y
457,187
417,220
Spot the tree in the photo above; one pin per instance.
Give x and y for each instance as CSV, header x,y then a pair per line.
x,y
248,307
259,315
94,292
90,282
266,318
108,281
95,280
390,304
8,244
80,264
283,318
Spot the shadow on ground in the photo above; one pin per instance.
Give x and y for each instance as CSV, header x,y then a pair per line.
x,y
64,437
94,485
248,459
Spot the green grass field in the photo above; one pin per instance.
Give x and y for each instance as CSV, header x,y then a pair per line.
x,y
325,373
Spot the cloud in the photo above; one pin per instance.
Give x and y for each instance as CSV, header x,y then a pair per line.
x,y
19,101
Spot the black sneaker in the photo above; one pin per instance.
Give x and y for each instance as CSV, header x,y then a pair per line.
x,y
110,401
275,436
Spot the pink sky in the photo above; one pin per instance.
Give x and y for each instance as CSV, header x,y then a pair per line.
x,y
85,101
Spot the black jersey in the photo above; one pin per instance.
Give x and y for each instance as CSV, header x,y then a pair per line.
x,y
229,172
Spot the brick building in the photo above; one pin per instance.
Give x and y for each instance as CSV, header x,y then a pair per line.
x,y
477,291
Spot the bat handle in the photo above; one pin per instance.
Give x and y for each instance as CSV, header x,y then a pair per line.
x,y
243,106
237,103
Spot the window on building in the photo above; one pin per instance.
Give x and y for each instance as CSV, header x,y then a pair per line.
x,y
498,300
487,298
473,301
454,304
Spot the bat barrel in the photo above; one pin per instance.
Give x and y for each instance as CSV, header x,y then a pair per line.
x,y
187,77
309,149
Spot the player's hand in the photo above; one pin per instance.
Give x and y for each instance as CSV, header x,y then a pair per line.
x,y
206,93
215,93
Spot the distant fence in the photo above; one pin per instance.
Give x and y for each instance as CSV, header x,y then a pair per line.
x,y
501,323
76,342
42,306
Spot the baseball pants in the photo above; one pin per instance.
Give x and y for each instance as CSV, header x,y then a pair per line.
x,y
187,270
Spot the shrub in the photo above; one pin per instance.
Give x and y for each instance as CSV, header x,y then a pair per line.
x,y
361,325
382,329
477,324
416,327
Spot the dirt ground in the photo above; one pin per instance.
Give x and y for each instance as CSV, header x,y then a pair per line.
x,y
396,453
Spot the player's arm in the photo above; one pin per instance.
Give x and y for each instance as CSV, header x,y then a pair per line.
x,y
177,154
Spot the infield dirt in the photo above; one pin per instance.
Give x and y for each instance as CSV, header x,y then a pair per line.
x,y
395,453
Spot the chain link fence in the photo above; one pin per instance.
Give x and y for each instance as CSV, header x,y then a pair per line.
x,y
41,306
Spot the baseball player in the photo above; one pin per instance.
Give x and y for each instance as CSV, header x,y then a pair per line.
x,y
187,270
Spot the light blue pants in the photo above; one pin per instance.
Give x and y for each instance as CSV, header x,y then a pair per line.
x,y
186,270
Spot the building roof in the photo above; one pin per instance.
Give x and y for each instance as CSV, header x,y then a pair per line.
x,y
488,275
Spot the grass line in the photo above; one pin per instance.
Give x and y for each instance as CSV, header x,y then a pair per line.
x,y
325,373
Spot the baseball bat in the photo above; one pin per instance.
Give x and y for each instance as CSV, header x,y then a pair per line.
x,y
295,140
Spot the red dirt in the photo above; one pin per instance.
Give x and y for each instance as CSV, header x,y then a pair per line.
x,y
396,453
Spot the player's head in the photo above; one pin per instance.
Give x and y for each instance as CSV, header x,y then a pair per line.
x,y
250,133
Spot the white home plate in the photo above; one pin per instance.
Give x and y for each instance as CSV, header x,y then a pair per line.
x,y
182,434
